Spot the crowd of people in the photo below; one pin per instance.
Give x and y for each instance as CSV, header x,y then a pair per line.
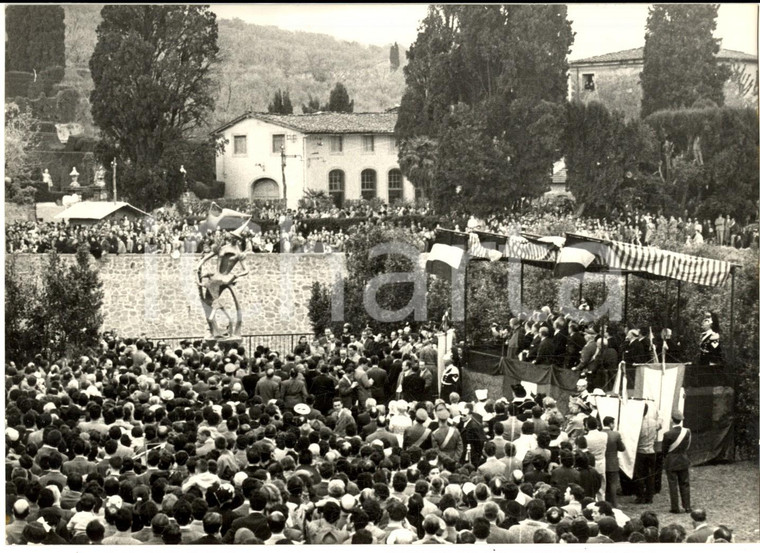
x,y
166,232
349,438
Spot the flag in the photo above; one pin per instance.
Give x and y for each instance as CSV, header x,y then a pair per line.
x,y
575,257
450,255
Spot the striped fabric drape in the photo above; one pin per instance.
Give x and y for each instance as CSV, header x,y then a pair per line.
x,y
515,247
677,266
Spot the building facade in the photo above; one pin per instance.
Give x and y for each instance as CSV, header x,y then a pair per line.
x,y
614,79
348,155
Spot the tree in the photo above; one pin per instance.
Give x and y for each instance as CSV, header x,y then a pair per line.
x,y
311,106
680,64
339,100
35,37
281,103
20,138
153,86
486,85
604,156
67,316
395,58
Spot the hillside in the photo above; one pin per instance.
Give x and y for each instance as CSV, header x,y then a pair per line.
x,y
257,60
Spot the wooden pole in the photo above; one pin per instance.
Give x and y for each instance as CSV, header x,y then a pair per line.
x,y
464,332
678,307
522,269
731,326
625,302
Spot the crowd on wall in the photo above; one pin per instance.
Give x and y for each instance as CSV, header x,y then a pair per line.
x,y
352,438
167,232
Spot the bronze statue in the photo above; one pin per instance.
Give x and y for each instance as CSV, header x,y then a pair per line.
x,y
211,285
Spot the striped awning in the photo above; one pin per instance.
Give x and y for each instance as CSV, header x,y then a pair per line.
x,y
645,260
514,246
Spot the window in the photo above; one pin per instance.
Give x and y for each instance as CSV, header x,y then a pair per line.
x,y
368,143
240,145
336,182
588,81
278,141
369,184
395,186
336,144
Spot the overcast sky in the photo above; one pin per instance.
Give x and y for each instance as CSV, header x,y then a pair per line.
x,y
599,28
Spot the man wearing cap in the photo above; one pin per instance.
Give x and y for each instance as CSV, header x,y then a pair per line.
x,y
675,445
418,435
446,439
15,529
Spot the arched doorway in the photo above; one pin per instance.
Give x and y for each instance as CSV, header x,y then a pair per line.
x,y
265,189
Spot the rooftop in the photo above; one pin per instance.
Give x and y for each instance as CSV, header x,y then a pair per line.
x,y
325,122
94,210
637,55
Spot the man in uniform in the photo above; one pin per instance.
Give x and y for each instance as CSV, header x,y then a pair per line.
x,y
418,435
675,445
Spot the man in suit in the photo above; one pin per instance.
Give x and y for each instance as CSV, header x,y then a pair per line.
x,y
379,378
473,435
492,466
702,530
675,445
612,464
545,352
575,343
515,339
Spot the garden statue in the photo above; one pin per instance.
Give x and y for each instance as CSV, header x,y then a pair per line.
x,y
47,179
100,177
212,285
74,178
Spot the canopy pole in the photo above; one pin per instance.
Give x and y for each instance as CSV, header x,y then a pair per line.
x,y
625,302
678,307
667,302
731,327
580,290
464,331
522,268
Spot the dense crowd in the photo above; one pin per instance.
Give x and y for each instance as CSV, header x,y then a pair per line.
x,y
166,232
352,438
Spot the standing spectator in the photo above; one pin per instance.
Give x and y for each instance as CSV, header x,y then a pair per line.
x,y
612,464
644,468
702,530
675,444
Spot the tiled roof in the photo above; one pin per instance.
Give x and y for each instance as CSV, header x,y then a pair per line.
x,y
326,123
637,55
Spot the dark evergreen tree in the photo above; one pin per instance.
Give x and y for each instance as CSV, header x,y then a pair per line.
x,y
485,87
153,87
395,57
312,106
680,64
35,37
339,101
281,103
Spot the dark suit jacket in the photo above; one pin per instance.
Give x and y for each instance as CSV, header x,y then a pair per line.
x,y
545,352
676,459
473,435
413,387
614,444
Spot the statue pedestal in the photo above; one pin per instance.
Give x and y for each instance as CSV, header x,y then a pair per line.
x,y
224,341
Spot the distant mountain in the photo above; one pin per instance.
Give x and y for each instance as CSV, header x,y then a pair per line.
x,y
258,60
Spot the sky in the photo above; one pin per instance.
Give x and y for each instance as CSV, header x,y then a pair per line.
x,y
599,28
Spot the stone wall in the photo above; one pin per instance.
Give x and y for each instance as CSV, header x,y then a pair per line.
x,y
158,295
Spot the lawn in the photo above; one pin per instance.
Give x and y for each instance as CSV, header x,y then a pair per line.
x,y
728,492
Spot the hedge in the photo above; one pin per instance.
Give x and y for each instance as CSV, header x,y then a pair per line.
x,y
17,83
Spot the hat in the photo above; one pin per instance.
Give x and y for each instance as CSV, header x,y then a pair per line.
x,y
517,475
421,415
468,487
12,434
301,409
114,503
481,394
314,448
582,382
167,395
20,507
442,412
676,415
348,502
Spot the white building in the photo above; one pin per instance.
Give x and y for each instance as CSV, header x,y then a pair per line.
x,y
349,155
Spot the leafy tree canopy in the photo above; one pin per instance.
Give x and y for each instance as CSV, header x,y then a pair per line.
x,y
486,85
153,86
680,64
